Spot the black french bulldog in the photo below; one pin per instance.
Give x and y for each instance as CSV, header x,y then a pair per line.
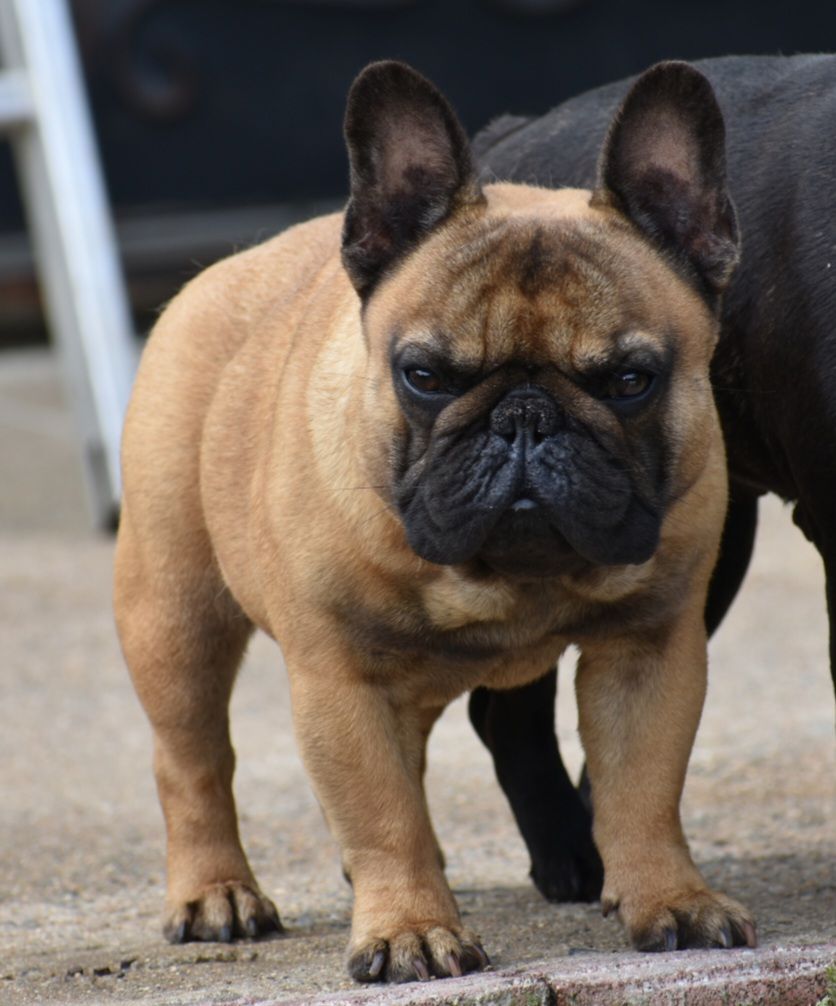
x,y
774,374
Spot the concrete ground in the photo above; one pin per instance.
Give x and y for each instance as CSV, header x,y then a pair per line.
x,y
81,839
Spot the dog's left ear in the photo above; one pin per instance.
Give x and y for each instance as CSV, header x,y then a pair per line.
x,y
410,165
664,166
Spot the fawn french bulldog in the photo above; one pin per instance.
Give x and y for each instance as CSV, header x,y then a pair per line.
x,y
426,444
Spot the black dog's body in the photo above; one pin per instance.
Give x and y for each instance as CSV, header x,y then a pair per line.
x,y
774,374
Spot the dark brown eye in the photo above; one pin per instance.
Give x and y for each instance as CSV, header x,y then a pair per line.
x,y
627,384
423,380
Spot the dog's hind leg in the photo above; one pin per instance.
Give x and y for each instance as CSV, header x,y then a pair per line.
x,y
736,547
814,515
517,727
183,637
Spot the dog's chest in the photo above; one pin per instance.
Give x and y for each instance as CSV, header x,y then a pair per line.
x,y
461,633
453,601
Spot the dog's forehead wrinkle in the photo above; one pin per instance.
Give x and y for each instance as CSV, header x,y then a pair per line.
x,y
494,328
630,346
642,346
477,243
436,346
427,336
566,265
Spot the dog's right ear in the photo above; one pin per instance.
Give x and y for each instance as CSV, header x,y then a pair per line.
x,y
410,165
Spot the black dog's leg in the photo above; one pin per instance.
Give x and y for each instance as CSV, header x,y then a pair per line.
x,y
736,547
830,569
517,727
816,521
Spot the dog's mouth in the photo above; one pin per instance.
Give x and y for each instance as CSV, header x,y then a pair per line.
x,y
524,544
528,489
538,520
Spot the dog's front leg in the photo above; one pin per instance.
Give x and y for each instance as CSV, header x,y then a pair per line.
x,y
364,747
639,703
183,637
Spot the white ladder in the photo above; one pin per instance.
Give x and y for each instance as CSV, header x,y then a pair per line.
x,y
43,111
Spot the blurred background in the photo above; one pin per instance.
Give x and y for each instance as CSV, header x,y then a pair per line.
x,y
219,121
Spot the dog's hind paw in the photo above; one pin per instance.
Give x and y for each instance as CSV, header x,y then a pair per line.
x,y
221,913
417,956
569,872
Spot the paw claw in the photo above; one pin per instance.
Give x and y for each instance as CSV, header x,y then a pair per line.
x,y
178,933
484,960
220,913
698,919
657,941
416,954
376,965
274,923
474,958
370,964
453,966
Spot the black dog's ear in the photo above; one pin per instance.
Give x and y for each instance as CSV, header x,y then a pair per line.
x,y
410,168
664,166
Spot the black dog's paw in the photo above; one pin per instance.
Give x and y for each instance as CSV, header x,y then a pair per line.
x,y
565,864
571,872
555,819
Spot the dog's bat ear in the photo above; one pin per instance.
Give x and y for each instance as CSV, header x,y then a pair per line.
x,y
410,164
664,165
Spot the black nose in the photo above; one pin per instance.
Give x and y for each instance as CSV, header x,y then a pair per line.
x,y
525,411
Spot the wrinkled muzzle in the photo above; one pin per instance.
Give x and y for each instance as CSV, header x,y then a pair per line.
x,y
527,485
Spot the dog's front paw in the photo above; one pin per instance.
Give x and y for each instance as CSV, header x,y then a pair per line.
x,y
701,918
220,913
416,955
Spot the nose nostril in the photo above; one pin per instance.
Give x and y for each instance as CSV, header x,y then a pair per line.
x,y
507,425
531,415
